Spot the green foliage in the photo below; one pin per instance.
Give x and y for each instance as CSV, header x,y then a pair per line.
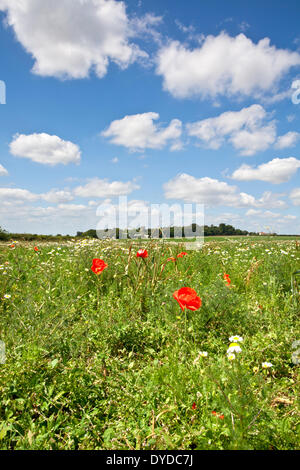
x,y
4,235
111,361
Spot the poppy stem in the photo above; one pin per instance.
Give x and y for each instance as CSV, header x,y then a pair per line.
x,y
99,283
146,265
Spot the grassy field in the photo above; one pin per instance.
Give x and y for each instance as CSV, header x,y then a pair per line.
x,y
110,361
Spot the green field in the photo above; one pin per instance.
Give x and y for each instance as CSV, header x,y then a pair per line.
x,y
110,361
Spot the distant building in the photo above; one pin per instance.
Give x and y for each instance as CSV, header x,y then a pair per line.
x,y
140,235
269,234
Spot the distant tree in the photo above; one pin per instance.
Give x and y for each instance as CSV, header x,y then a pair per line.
x,y
4,235
90,233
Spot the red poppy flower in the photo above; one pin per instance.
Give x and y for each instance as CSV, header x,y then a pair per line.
x,y
187,298
171,259
36,248
142,254
216,414
194,406
98,266
227,279
12,246
182,254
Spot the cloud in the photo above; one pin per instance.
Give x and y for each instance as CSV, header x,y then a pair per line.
x,y
68,38
101,188
287,140
270,200
244,26
67,210
291,117
57,196
3,171
263,214
145,27
223,65
213,192
94,188
252,212
138,132
22,196
246,130
61,210
185,29
17,195
278,170
251,142
44,148
295,196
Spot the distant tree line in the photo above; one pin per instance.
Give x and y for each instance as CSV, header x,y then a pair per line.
x,y
209,230
175,232
224,229
4,235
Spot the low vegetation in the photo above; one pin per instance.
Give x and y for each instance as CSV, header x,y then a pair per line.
x,y
115,358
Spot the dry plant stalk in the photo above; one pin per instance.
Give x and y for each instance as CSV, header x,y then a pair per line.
x,y
253,268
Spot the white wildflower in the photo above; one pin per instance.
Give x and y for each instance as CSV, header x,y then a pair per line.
x,y
266,365
231,356
236,339
234,348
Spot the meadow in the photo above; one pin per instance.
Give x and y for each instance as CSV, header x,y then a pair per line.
x,y
112,361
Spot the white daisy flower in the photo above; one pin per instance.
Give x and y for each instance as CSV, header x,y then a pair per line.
x,y
234,348
231,356
266,365
203,354
236,339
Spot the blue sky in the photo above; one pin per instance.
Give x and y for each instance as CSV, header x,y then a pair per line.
x,y
164,102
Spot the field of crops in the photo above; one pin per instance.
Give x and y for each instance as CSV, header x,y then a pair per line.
x,y
119,357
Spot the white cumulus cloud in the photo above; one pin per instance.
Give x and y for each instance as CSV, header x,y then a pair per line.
x,y
223,65
17,195
44,148
101,188
278,170
213,192
138,132
68,38
56,196
247,130
287,140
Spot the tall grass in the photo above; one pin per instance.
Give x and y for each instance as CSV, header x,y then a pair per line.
x,y
110,361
